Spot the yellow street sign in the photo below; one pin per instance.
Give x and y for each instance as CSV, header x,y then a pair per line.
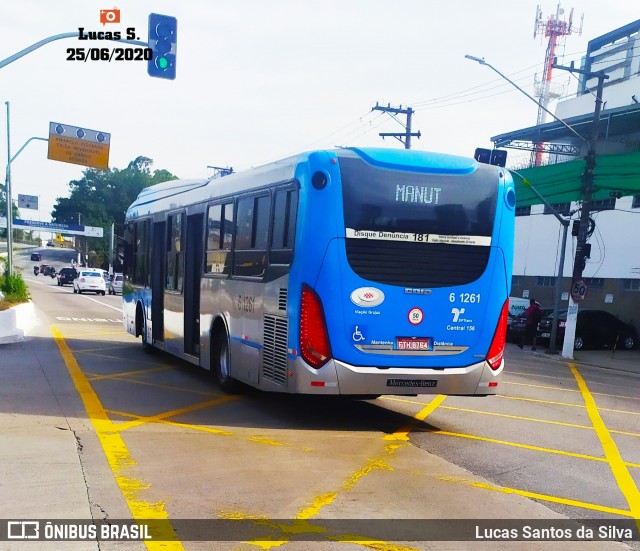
x,y
80,146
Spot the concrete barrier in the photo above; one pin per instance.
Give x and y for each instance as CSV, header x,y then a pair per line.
x,y
15,321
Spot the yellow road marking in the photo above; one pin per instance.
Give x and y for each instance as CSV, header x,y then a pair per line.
x,y
565,404
141,420
117,454
529,447
517,417
92,334
300,524
127,346
212,430
625,482
541,497
96,377
403,432
158,385
537,375
548,387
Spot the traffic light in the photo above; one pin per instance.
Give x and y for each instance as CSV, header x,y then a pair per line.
x,y
163,37
497,157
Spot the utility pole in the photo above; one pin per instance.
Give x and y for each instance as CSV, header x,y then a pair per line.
x,y
587,192
403,137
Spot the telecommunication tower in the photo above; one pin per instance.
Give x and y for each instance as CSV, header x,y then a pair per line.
x,y
555,28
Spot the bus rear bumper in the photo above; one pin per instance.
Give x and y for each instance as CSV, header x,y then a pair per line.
x,y
475,379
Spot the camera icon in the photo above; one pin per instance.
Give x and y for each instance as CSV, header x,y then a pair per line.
x,y
110,16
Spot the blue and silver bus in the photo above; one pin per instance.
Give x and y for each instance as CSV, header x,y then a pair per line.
x,y
349,271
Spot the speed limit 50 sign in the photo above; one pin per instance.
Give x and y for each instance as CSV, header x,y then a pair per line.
x,y
578,290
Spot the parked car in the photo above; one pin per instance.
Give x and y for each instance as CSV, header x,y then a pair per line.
x,y
518,324
66,276
89,281
594,329
36,257
50,244
115,285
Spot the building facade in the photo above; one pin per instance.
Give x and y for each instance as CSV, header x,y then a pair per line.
x,y
612,271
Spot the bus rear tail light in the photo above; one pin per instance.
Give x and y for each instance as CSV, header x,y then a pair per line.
x,y
496,350
314,338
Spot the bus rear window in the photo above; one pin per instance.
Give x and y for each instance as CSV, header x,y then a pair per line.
x,y
396,202
420,230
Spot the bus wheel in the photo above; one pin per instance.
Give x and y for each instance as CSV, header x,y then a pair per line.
x,y
141,329
221,365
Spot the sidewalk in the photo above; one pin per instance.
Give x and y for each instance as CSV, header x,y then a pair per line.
x,y
620,360
52,462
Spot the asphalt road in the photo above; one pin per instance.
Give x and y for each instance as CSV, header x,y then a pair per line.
x,y
560,441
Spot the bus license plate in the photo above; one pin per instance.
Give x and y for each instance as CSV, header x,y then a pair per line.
x,y
545,335
412,382
414,343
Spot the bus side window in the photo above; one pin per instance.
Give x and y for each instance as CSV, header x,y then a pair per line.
x,y
284,226
252,230
141,253
175,252
219,238
129,235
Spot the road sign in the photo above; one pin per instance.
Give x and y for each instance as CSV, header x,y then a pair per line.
x,y
28,202
79,146
53,227
578,290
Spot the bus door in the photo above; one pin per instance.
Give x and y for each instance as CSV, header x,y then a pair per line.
x,y
193,272
157,280
174,283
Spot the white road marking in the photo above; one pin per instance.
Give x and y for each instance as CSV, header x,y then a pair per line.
x,y
71,291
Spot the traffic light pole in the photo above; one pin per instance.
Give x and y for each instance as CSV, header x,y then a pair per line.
x,y
4,63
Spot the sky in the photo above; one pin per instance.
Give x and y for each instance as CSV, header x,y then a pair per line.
x,y
260,80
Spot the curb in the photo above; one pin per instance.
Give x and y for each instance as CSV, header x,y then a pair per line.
x,y
15,321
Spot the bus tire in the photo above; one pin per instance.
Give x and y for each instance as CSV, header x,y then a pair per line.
x,y
221,364
141,330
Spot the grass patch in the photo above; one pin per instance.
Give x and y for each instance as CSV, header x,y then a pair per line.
x,y
14,289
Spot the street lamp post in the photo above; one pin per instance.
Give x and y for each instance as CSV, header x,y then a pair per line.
x,y
9,201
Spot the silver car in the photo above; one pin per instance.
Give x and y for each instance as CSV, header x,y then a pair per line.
x,y
115,285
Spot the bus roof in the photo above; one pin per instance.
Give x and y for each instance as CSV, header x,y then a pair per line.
x,y
178,193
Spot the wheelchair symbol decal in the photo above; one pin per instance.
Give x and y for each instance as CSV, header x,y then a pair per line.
x,y
357,335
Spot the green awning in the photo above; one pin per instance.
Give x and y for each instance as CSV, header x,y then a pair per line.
x,y
562,182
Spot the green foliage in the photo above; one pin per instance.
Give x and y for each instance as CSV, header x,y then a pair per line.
x,y
101,197
3,212
13,287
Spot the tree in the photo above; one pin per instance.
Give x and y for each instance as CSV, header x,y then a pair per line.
x,y
3,210
101,197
